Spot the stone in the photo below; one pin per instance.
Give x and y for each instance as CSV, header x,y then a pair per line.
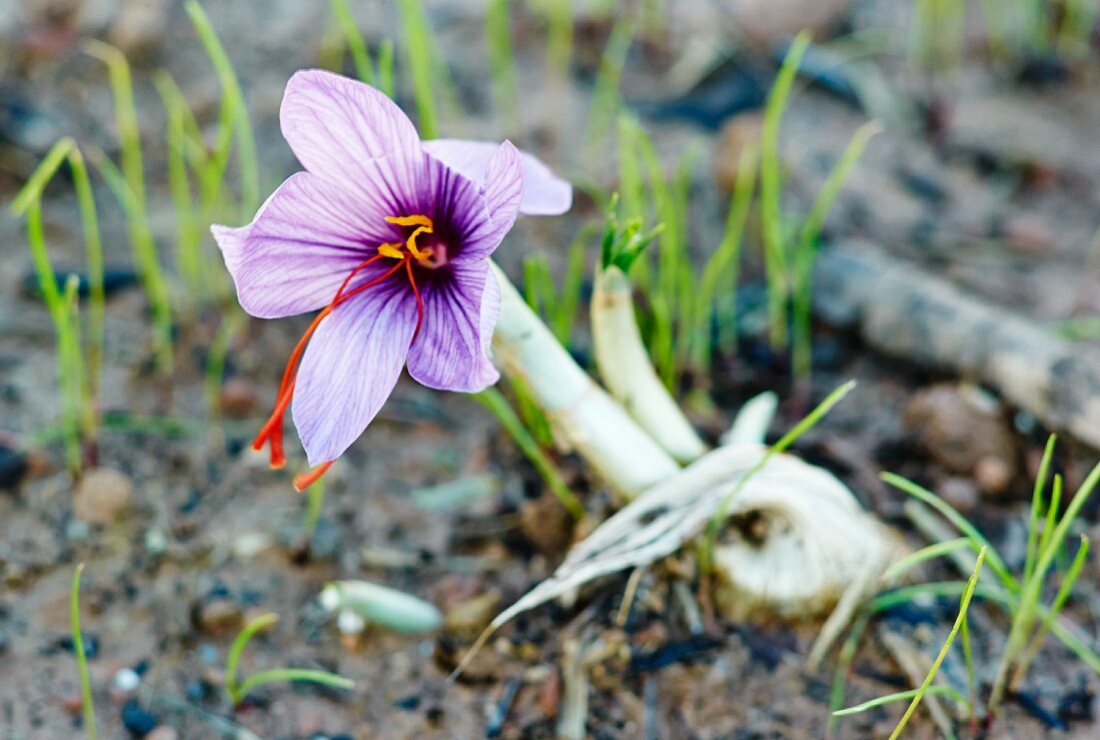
x,y
103,496
468,618
965,431
218,616
239,398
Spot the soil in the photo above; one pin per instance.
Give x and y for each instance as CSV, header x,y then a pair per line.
x,y
987,172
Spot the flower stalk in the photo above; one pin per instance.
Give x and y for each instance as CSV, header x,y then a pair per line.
x,y
629,375
584,417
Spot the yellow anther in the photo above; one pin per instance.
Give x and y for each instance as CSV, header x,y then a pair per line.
x,y
423,225
392,251
411,243
417,219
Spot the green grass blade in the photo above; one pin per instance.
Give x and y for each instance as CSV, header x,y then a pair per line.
x,y
81,658
129,136
418,50
808,244
360,57
960,522
97,297
775,248
1037,505
385,68
569,301
31,192
493,400
1064,590
723,268
925,554
605,104
294,674
241,125
900,696
501,62
1053,508
843,665
78,409
233,658
1029,607
922,691
189,259
145,256
59,314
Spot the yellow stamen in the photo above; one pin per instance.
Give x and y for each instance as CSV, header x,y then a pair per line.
x,y
423,225
417,219
391,250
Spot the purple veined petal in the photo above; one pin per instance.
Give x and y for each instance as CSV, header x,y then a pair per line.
x,y
544,193
335,125
499,206
350,368
306,238
490,310
449,353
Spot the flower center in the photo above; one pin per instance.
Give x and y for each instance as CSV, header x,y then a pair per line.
x,y
431,256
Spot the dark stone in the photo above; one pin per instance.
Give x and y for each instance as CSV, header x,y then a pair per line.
x,y
91,645
13,466
137,720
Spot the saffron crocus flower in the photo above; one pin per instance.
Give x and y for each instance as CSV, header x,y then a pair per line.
x,y
390,237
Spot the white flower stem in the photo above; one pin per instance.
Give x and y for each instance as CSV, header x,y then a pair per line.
x,y
628,373
584,417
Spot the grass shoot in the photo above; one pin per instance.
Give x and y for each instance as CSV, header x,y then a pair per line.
x,y
238,690
87,707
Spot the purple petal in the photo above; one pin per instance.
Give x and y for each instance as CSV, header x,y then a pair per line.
x,y
544,193
335,125
449,353
500,198
304,241
490,310
350,367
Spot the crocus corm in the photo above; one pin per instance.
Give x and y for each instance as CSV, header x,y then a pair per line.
x,y
390,237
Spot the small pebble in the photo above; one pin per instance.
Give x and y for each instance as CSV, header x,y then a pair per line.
x,y
248,545
13,466
239,398
137,720
208,654
961,493
126,681
993,475
162,732
218,616
468,618
546,524
156,541
72,704
91,645
102,496
350,623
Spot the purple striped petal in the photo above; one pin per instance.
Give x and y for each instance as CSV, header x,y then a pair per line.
x,y
501,196
336,125
449,353
490,310
544,193
303,242
350,367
